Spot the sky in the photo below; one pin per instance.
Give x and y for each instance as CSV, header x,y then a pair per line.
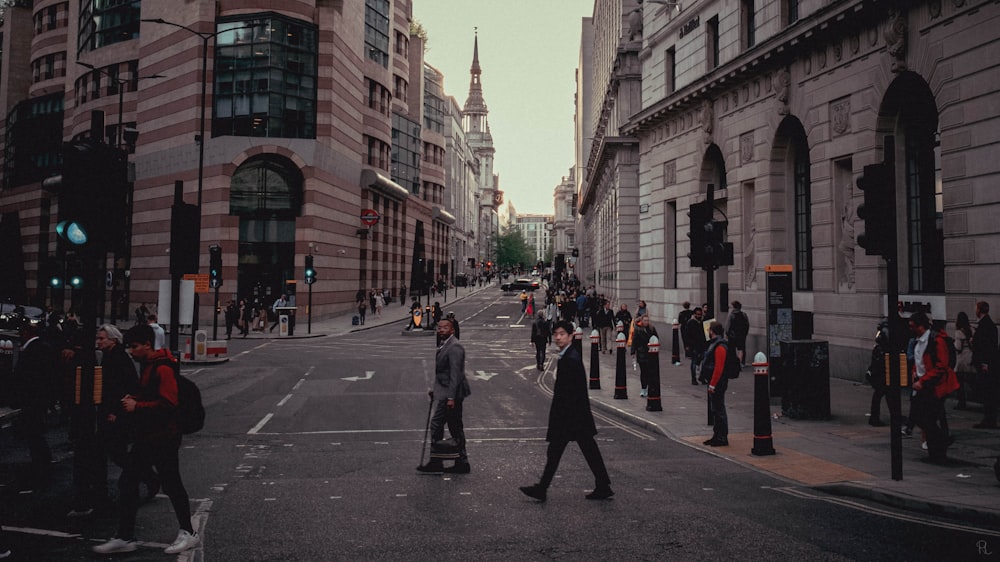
x,y
528,51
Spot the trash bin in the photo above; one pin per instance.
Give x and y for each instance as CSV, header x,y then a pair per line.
x,y
805,373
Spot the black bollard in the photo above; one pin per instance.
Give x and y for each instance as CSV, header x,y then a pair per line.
x,y
578,340
763,443
595,360
675,344
653,401
621,386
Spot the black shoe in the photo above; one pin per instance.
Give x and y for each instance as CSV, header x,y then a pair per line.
x,y
694,382
459,468
713,442
432,467
601,493
985,425
875,422
536,491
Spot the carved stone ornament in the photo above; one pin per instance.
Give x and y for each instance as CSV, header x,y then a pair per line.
x,y
959,3
838,51
840,116
895,40
707,120
855,43
746,147
934,6
782,85
670,173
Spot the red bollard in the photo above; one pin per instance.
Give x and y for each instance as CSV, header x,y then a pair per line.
x,y
763,443
595,360
653,401
675,343
621,386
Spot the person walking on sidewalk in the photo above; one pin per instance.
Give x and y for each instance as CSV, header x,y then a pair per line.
x,y
570,419
739,327
540,336
451,388
934,381
152,411
644,330
984,358
281,302
604,320
695,342
715,363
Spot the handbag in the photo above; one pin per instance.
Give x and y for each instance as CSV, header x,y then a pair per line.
x,y
445,449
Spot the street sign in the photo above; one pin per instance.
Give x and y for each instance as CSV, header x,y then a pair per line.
x,y
200,281
369,217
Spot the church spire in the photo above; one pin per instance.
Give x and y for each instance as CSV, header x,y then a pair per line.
x,y
475,105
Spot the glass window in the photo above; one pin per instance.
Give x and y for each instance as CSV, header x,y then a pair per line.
x,y
33,140
803,218
267,186
377,31
106,22
406,153
924,209
265,79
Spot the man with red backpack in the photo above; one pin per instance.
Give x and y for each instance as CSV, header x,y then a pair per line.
x,y
152,413
934,379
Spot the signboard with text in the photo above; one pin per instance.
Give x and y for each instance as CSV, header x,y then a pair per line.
x,y
200,281
779,308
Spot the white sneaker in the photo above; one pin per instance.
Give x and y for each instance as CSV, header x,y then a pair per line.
x,y
184,541
116,545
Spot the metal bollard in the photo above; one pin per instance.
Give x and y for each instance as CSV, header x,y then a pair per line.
x,y
595,360
675,343
578,340
621,386
653,401
763,443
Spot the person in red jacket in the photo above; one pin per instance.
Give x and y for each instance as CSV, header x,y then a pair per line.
x,y
933,380
715,363
152,415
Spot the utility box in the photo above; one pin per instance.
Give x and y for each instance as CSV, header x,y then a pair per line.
x,y
805,379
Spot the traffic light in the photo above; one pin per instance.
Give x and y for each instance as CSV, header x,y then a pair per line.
x,y
55,281
92,192
310,270
878,237
699,232
214,266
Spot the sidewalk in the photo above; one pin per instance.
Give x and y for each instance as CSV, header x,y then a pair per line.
x,y
842,456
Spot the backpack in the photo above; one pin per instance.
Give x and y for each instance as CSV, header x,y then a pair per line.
x,y
732,367
190,410
948,341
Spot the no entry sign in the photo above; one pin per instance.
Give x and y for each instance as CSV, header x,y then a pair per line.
x,y
369,217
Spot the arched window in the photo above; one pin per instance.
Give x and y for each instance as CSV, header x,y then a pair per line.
x,y
266,186
803,214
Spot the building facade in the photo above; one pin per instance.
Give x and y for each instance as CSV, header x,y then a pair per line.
x,y
316,113
537,233
773,109
564,216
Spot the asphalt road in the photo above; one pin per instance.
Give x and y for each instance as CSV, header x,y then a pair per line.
x,y
310,448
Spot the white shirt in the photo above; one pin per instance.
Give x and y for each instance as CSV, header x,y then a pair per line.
x,y
918,352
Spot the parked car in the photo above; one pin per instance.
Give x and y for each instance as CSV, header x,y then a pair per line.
x,y
461,280
11,315
520,284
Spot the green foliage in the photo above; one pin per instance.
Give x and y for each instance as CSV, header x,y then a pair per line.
x,y
513,249
418,29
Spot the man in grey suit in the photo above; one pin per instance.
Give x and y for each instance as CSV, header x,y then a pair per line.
x,y
450,390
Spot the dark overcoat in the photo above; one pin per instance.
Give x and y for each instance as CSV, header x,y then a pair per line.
x,y
570,418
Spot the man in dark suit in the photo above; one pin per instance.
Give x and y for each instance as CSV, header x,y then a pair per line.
x,y
35,376
570,420
450,390
984,358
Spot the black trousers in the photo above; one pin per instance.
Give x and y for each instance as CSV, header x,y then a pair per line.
x,y
540,353
925,413
452,417
590,452
161,453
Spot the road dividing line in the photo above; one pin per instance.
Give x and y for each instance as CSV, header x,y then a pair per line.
x,y
260,425
285,399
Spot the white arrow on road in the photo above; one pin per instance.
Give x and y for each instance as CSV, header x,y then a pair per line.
x,y
484,376
368,375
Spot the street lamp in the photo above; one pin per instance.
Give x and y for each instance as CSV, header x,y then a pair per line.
x,y
120,83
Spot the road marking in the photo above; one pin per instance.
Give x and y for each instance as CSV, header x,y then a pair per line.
x,y
285,399
256,429
483,375
803,494
298,384
368,376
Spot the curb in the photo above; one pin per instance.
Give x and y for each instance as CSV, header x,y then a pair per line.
x,y
911,503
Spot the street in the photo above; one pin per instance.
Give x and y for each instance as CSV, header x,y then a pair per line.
x,y
310,447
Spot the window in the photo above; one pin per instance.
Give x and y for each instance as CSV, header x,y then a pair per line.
x,y
434,112
406,153
712,42
377,31
924,209
399,84
791,9
748,15
104,23
33,140
266,185
50,17
803,216
265,77
670,70
670,250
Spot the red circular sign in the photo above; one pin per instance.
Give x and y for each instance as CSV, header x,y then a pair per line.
x,y
369,217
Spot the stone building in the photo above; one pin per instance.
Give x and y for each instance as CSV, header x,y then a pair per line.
x,y
315,111
776,107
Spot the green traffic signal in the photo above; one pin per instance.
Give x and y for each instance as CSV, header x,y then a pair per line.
x,y
76,281
55,282
72,232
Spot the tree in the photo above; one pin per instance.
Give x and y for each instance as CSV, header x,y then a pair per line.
x,y
513,249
